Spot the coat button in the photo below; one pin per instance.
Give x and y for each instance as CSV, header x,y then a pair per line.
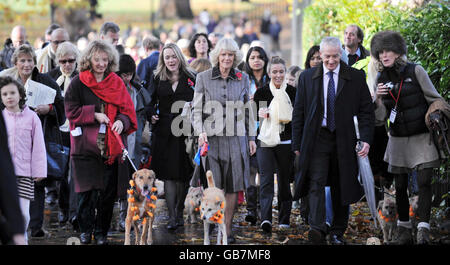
x,y
224,87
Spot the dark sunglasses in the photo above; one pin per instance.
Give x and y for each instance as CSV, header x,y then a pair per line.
x,y
57,42
67,61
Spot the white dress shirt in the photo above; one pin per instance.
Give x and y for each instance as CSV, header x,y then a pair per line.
x,y
326,79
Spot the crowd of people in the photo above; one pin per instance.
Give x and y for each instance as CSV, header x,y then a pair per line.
x,y
258,115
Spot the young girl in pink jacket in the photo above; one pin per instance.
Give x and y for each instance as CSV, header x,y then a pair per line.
x,y
25,141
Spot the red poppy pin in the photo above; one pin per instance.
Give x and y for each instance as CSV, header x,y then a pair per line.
x,y
190,83
239,75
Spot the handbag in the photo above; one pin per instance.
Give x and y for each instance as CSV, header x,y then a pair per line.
x,y
57,154
437,120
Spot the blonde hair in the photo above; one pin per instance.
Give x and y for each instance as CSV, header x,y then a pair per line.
x,y
23,49
201,64
161,70
97,46
226,44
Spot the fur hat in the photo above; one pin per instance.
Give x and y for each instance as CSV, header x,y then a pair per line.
x,y
387,41
126,64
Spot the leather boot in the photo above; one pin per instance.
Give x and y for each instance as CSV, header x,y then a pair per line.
x,y
252,200
404,236
423,236
123,207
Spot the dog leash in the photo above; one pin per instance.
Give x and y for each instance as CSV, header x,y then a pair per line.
x,y
125,153
382,190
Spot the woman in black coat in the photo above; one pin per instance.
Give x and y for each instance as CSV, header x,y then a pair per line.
x,y
173,82
67,57
256,67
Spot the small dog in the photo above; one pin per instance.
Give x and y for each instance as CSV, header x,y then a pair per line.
x,y
159,184
212,209
192,203
141,206
387,216
413,206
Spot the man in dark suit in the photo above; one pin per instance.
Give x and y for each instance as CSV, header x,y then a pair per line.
x,y
324,140
11,221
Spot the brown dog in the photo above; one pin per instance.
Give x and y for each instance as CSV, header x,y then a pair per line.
x,y
141,206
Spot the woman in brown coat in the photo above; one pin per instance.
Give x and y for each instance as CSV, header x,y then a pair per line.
x,y
98,106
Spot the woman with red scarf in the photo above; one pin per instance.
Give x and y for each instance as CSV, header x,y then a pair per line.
x,y
98,106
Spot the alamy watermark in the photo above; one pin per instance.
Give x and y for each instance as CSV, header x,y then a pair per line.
x,y
231,118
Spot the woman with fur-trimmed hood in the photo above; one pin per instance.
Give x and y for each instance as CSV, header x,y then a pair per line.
x,y
403,94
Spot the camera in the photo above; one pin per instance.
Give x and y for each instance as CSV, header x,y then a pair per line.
x,y
389,85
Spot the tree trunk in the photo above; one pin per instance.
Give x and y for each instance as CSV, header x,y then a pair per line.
x,y
184,9
167,9
175,8
297,29
75,21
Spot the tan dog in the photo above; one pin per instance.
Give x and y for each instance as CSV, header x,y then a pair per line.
x,y
387,216
192,203
212,210
141,206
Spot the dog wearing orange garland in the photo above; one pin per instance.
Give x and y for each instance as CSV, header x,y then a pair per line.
x,y
192,203
212,210
141,206
387,216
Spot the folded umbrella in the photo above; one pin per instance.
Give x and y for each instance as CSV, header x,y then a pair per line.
x,y
366,175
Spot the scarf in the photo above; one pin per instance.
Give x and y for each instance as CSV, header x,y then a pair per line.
x,y
64,79
12,72
113,92
280,113
44,60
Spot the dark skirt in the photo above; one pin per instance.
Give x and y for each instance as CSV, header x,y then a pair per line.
x,y
169,158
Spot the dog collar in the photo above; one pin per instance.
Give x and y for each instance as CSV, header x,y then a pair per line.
x,y
411,212
387,219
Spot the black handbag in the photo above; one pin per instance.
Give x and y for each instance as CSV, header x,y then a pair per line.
x,y
57,154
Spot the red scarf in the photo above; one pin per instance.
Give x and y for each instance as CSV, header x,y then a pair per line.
x,y
112,90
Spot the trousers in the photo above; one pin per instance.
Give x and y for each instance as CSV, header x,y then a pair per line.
x,y
280,159
95,207
322,170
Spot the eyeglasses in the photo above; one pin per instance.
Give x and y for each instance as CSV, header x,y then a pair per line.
x,y
56,42
66,61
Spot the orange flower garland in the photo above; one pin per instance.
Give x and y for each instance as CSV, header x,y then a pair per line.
x,y
217,217
135,209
